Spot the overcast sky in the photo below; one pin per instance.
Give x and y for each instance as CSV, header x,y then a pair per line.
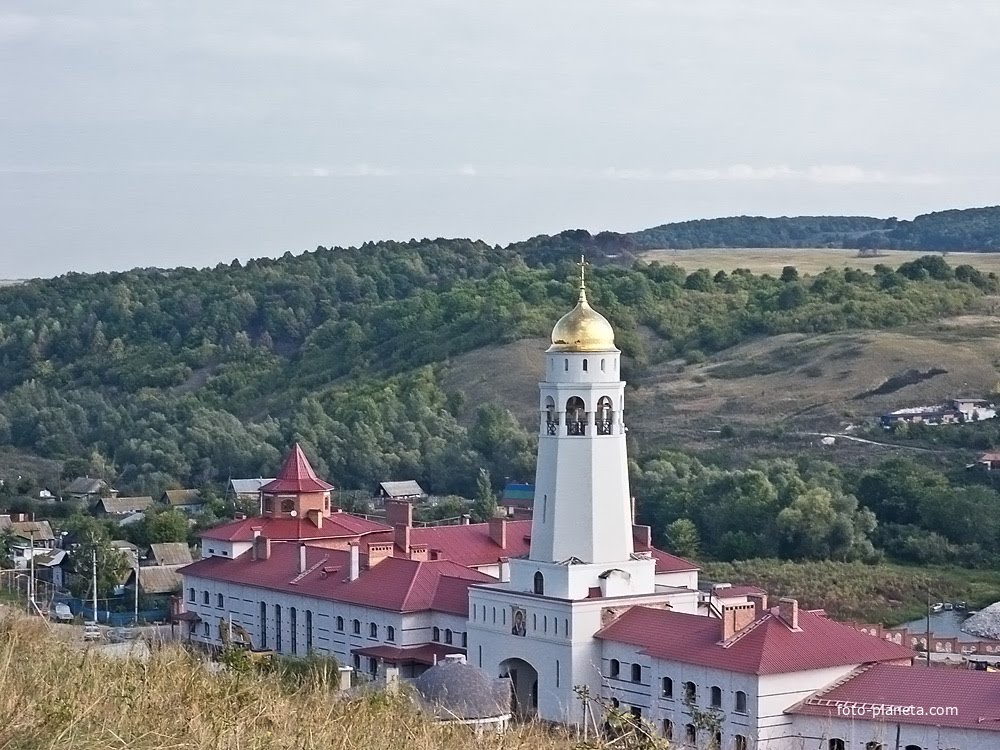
x,y
185,133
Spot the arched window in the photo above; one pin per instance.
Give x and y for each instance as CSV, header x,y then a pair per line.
x,y
390,633
448,636
356,627
913,747
340,624
220,601
716,696
604,416
615,703
690,734
739,742
357,662
204,597
616,668
372,666
436,634
668,729
277,628
690,692
584,365
636,673
838,744
191,595
741,702
667,687
875,745
602,365
539,582
373,630
551,418
566,366
576,416
287,504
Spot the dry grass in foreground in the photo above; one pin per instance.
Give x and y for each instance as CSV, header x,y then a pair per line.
x,y
53,695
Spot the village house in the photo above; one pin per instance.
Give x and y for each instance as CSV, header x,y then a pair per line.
x,y
89,489
407,490
119,507
517,500
187,501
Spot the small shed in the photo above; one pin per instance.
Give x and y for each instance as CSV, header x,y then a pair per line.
x,y
407,490
170,553
186,500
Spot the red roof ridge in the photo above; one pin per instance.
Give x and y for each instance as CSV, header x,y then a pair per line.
x,y
818,695
296,475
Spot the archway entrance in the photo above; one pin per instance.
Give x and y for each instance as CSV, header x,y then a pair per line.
x,y
524,686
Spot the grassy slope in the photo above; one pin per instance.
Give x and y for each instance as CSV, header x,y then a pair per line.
x,y
52,695
888,594
795,382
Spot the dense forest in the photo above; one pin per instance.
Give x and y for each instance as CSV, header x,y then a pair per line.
x,y
157,378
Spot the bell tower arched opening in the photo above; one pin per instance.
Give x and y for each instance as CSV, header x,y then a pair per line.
x,y
605,417
576,416
551,417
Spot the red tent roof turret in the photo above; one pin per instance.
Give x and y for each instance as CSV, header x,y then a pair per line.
x,y
296,475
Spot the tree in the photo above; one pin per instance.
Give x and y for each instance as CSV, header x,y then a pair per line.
x,y
789,273
5,550
682,538
485,505
112,565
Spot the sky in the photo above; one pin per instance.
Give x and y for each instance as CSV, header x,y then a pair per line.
x,y
146,133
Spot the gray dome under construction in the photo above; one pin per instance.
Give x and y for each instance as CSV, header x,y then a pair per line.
x,y
457,691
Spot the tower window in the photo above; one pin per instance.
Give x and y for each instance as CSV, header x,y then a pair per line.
x,y
615,668
566,365
604,416
584,365
602,365
539,583
576,416
551,420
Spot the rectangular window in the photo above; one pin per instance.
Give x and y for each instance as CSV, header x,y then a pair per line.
x,y
263,625
277,628
293,628
309,631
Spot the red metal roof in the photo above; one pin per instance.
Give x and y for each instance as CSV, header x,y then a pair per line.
x,y
731,592
768,646
296,475
395,584
335,525
428,653
975,695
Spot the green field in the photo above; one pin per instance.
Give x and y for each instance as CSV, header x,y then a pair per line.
x,y
806,260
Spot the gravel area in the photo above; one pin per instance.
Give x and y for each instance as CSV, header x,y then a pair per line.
x,y
985,623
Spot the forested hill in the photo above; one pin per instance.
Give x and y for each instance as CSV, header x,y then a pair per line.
x,y
972,229
158,378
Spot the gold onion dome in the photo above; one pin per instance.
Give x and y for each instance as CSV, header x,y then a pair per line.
x,y
583,329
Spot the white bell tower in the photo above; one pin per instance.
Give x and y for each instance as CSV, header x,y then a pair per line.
x,y
582,508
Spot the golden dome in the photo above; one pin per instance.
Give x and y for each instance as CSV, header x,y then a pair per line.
x,y
583,329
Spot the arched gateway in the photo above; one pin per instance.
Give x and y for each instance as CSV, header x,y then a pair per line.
x,y
524,686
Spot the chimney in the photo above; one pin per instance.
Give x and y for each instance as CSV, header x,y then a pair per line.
x,y
419,552
633,509
378,552
759,603
788,610
735,617
261,549
399,513
402,538
302,557
355,561
498,531
643,535
316,516
466,519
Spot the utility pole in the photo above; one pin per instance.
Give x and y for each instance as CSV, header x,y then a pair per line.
x,y
93,553
31,575
928,642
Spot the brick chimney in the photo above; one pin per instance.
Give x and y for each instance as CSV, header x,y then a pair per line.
x,y
377,552
419,552
399,513
735,617
498,531
261,549
316,516
402,538
759,602
788,610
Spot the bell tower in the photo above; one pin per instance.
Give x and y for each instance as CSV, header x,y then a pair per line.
x,y
582,509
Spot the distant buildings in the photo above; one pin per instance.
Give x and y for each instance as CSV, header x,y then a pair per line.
x,y
955,411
